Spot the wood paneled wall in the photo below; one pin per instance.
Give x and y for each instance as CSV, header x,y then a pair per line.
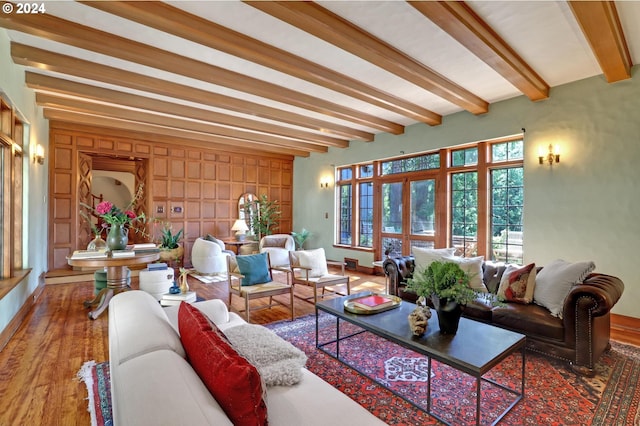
x,y
187,184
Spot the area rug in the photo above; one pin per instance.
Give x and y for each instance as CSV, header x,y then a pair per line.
x,y
554,394
208,279
97,379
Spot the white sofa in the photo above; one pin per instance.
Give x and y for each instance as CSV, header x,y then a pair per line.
x,y
153,384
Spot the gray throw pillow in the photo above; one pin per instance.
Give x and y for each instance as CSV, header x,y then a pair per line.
x,y
555,281
278,361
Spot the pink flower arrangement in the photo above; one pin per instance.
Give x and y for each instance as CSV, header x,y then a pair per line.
x,y
112,215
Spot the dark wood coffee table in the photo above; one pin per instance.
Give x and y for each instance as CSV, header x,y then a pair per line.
x,y
475,349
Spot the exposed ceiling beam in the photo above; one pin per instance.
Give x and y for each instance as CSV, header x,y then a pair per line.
x,y
172,20
464,25
49,84
44,59
88,119
601,26
88,38
322,23
232,135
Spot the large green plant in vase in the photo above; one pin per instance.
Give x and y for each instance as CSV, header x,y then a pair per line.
x,y
447,285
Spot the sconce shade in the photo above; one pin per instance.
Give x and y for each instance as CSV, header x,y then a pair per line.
x,y
550,158
324,181
38,155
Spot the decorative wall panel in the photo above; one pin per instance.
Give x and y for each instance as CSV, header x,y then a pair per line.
x,y
195,188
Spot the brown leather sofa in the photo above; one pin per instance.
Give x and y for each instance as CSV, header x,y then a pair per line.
x,y
580,337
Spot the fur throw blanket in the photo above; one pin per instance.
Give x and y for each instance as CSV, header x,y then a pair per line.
x,y
277,361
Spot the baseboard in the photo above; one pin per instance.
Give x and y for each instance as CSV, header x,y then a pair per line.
x,y
625,329
18,319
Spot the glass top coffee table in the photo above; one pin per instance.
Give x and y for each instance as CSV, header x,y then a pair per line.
x,y
475,349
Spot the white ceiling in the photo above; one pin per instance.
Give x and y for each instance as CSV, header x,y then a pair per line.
x,y
544,34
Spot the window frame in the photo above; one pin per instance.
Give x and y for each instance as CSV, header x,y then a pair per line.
x,y
443,175
13,135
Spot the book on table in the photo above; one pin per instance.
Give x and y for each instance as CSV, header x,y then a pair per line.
x,y
374,301
175,299
122,253
143,248
89,254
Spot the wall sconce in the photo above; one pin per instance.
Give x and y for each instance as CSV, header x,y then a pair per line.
x,y
38,155
325,181
551,157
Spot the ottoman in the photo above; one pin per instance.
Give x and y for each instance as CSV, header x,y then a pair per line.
x,y
156,282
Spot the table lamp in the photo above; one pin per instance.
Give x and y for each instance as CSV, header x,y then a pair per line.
x,y
240,226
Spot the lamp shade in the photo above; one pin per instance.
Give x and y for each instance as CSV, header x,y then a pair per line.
x,y
240,226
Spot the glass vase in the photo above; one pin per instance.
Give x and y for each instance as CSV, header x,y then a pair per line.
x,y
118,237
97,244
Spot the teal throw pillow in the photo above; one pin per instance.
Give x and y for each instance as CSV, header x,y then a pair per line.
x,y
254,267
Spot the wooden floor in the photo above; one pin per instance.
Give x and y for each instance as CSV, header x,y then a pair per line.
x,y
38,367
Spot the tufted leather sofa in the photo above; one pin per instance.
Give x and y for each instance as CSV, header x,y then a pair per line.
x,y
579,337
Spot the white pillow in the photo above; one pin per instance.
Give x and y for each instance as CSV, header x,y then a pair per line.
x,y
555,280
425,256
315,260
473,267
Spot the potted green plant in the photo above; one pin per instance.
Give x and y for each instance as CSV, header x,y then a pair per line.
x,y
171,251
447,286
265,217
300,238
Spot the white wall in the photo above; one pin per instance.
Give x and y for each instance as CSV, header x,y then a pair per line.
x,y
585,208
35,180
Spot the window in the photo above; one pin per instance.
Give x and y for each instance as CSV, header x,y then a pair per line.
x,y
12,135
345,214
464,157
413,164
472,200
464,212
507,203
356,210
365,214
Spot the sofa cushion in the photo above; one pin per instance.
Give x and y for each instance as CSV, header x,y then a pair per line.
x,y
480,309
315,260
278,361
555,280
230,378
161,388
518,283
141,327
532,320
473,267
254,267
425,256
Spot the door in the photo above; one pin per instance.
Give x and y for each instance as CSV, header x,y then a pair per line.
x,y
408,215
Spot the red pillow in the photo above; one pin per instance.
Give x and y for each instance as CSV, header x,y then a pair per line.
x,y
518,284
231,379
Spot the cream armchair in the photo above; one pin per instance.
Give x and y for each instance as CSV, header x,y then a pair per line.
x,y
209,257
309,268
278,246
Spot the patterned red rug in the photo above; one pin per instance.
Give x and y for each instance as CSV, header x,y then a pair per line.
x,y
554,395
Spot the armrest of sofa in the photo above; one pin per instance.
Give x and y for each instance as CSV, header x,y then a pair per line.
x,y
398,270
598,293
586,318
